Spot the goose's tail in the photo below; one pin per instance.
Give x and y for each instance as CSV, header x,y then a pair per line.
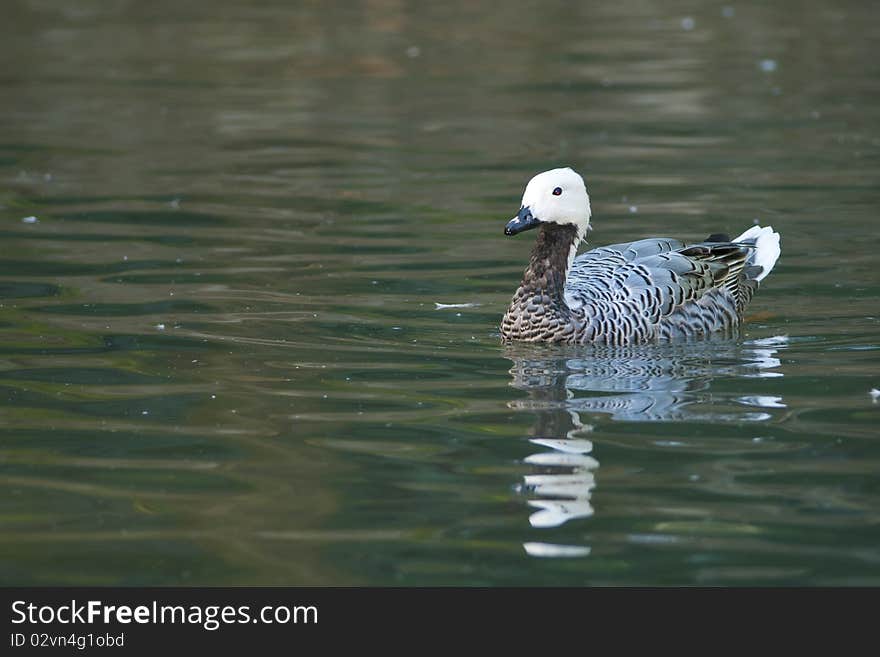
x,y
766,251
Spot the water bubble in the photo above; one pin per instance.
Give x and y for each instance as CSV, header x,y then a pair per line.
x,y
767,65
688,23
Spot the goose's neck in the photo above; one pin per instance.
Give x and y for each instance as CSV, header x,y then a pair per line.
x,y
549,262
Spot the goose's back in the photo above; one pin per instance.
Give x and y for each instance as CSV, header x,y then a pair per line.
x,y
658,288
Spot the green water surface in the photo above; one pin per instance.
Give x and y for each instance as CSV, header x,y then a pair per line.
x,y
221,356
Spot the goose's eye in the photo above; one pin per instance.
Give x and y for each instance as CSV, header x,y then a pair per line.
x,y
557,191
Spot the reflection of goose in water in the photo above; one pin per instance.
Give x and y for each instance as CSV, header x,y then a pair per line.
x,y
659,383
564,477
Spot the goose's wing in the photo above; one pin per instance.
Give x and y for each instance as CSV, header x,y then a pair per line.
x,y
653,277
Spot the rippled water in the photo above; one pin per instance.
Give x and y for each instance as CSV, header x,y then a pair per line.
x,y
221,355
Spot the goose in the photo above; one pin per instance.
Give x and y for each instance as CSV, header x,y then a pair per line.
x,y
650,290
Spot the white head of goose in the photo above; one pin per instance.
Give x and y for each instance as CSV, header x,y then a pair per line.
x,y
649,290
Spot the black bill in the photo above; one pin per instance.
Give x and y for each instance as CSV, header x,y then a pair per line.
x,y
522,221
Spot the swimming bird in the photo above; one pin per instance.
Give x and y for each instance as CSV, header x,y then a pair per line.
x,y
650,290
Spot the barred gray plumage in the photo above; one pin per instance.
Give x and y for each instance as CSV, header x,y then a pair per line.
x,y
648,290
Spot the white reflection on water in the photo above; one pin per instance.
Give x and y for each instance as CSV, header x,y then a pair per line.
x,y
655,383
554,550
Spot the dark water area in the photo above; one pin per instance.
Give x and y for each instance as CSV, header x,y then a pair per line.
x,y
225,231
